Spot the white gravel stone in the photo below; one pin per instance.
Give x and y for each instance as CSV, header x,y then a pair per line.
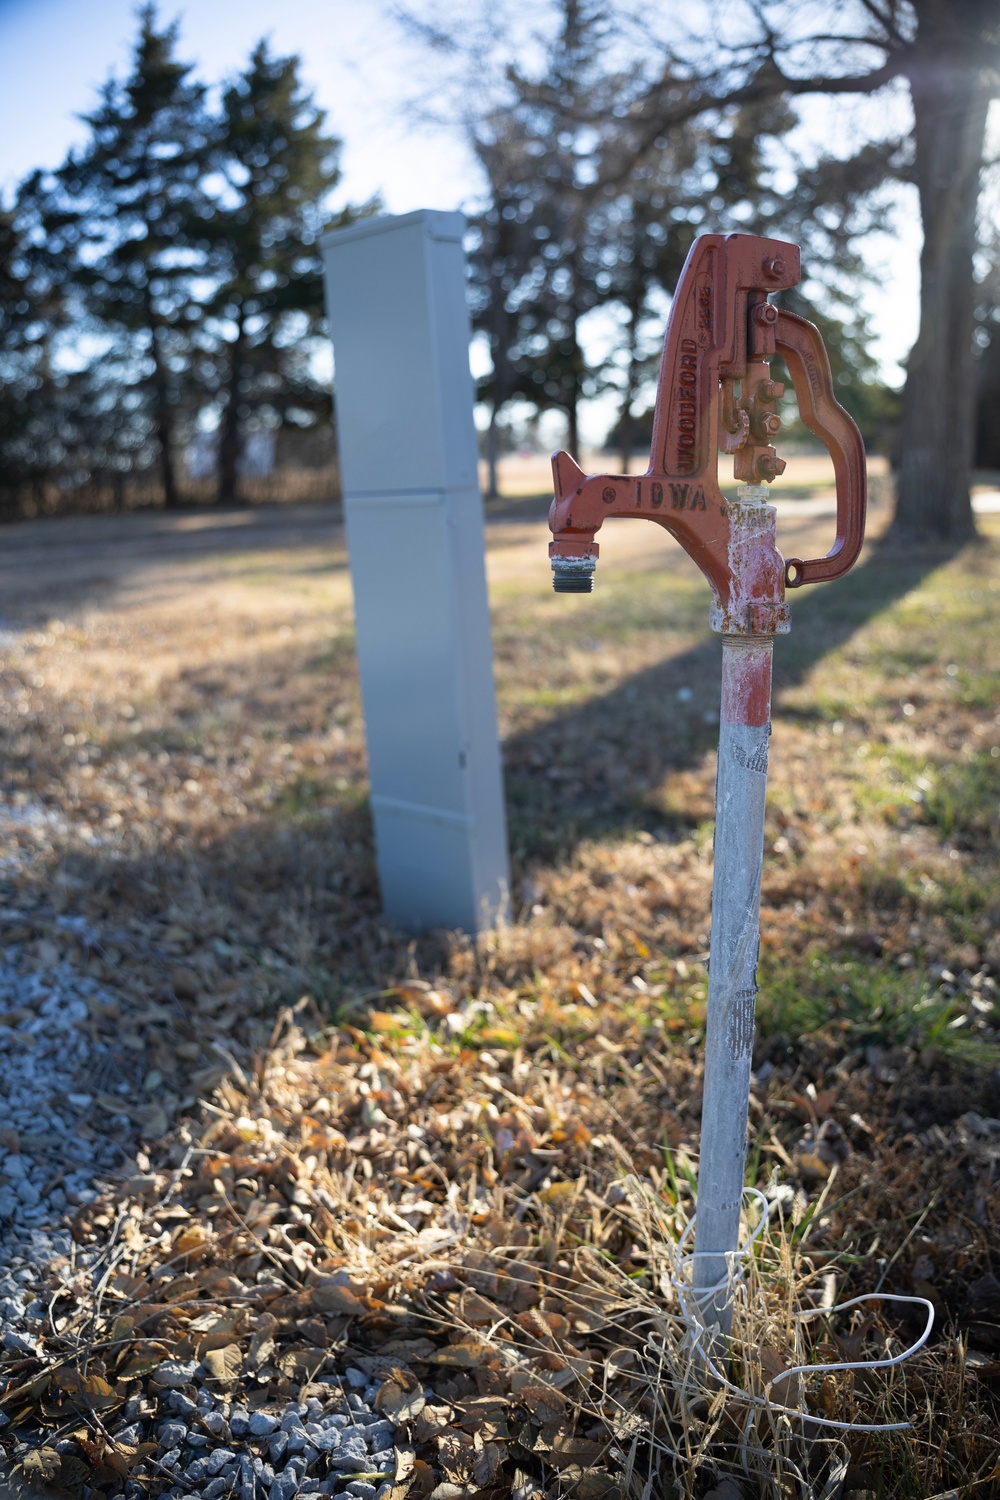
x,y
380,1433
284,1486
262,1424
173,1373
349,1460
239,1421
19,1343
217,1460
172,1434
327,1439
47,1068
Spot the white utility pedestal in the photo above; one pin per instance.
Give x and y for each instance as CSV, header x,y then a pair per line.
x,y
395,291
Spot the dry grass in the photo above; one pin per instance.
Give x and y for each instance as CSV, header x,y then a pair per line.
x,y
185,761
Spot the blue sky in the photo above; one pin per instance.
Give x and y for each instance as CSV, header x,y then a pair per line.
x,y
55,53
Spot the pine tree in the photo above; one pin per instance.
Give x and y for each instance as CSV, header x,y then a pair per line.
x,y
504,245
538,265
279,166
567,278
21,356
34,309
137,195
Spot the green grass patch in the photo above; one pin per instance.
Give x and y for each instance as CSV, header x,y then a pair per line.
x,y
964,797
872,1004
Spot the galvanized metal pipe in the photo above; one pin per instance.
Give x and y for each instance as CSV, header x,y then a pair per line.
x,y
732,974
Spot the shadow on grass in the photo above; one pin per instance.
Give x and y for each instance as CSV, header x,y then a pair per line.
x,y
285,901
589,772
300,879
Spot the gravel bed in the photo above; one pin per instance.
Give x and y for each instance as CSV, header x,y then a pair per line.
x,y
48,1164
329,1444
49,1070
334,1444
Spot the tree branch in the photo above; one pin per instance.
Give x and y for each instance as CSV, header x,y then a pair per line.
x,y
885,18
768,82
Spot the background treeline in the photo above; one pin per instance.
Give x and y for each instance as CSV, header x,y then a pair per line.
x,y
161,300
585,214
161,310
610,134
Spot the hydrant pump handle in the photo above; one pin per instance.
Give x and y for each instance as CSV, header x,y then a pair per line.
x,y
801,346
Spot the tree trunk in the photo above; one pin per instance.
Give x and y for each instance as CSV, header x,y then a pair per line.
x,y
500,339
936,441
573,424
492,454
575,360
229,433
626,427
165,437
163,416
626,423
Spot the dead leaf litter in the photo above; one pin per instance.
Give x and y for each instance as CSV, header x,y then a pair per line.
x,y
414,1237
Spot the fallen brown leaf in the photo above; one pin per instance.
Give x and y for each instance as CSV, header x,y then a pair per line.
x,y
224,1363
401,1397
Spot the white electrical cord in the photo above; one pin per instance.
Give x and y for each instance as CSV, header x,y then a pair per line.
x,y
691,1301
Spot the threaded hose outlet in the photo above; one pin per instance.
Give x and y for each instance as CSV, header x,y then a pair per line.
x,y
573,575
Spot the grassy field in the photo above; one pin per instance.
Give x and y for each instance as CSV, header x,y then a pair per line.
x,y
184,769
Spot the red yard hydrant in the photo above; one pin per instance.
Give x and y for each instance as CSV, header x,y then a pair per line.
x,y
721,334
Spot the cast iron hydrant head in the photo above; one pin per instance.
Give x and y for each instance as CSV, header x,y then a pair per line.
x,y
723,331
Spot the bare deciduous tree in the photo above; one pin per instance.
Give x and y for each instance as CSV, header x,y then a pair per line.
x,y
947,53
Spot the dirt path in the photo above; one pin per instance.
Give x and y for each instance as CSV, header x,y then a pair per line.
x,y
47,564
136,560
